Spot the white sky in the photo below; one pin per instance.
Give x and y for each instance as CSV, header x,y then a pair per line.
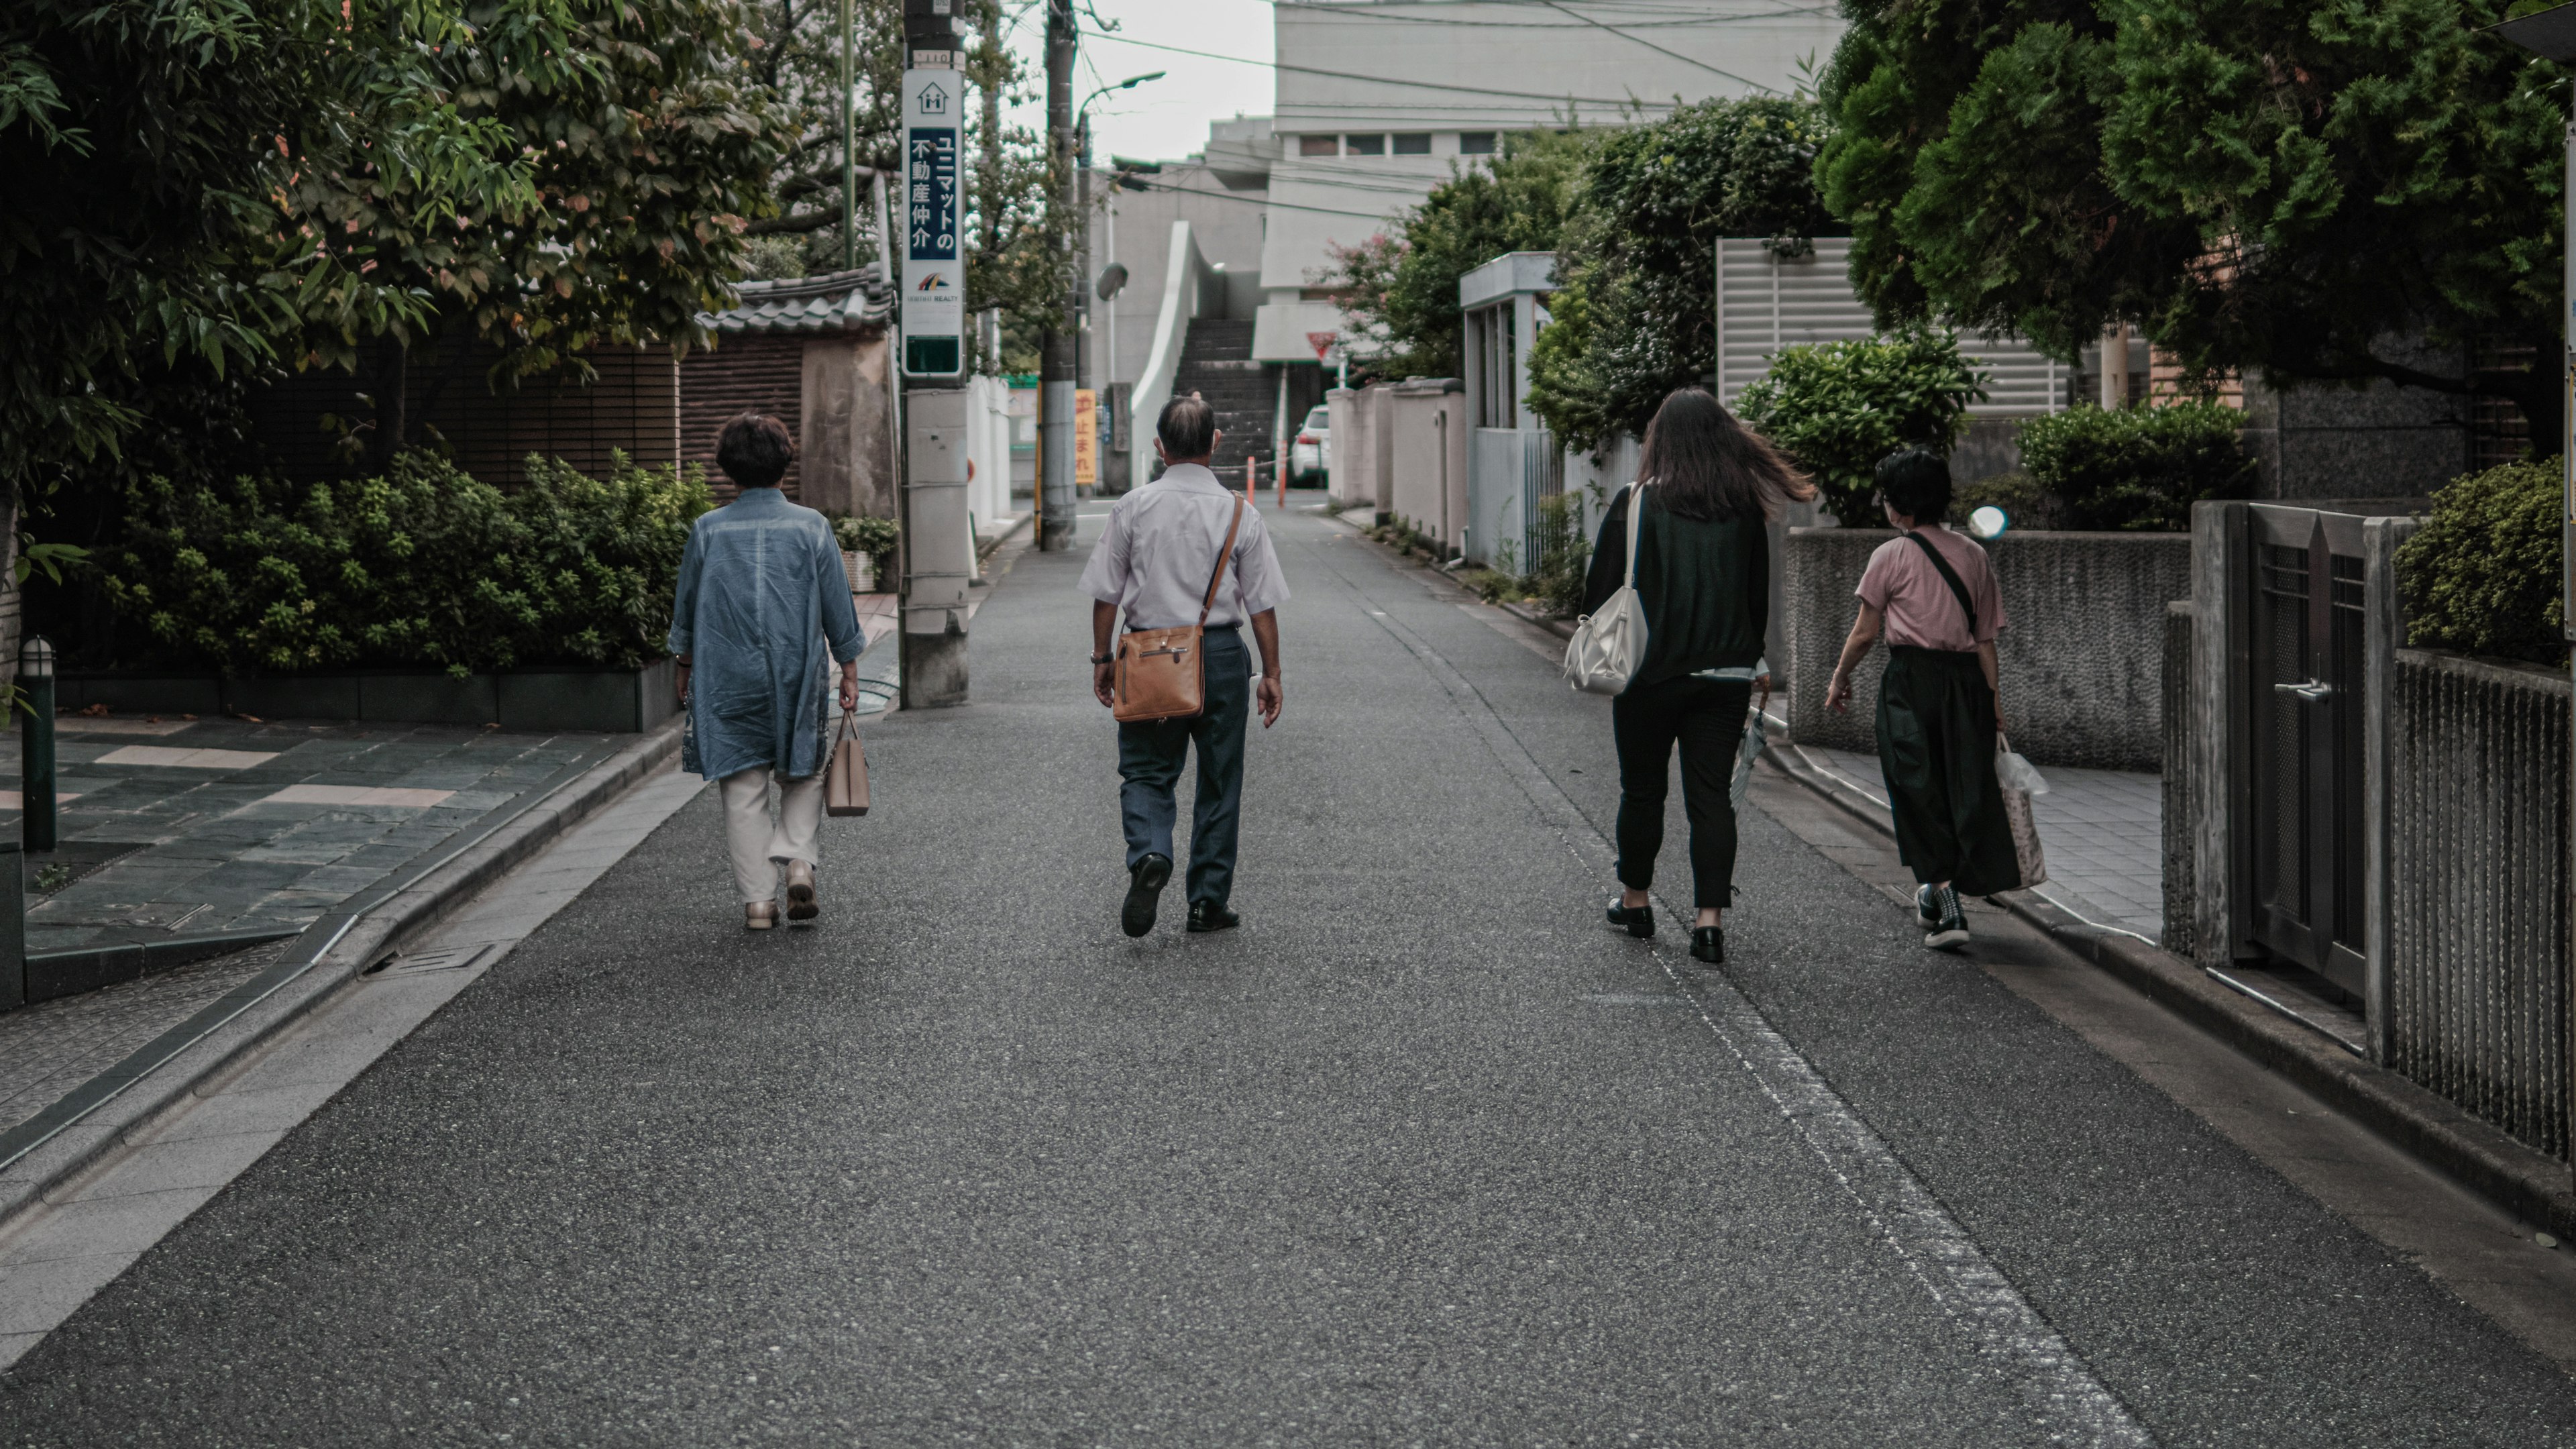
x,y
1166,119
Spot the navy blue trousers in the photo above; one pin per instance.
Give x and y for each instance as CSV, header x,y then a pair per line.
x,y
1149,763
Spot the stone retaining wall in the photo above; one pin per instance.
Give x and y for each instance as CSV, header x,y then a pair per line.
x,y
2082,651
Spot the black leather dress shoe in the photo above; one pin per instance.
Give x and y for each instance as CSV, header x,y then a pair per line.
x,y
1209,916
1708,943
1144,893
1640,920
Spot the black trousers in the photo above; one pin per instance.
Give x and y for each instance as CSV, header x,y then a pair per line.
x,y
1706,718
1936,746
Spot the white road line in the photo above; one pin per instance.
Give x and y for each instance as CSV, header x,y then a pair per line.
x,y
2072,1405
96,1224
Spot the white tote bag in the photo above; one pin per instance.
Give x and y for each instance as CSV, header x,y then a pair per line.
x,y
1607,646
2019,781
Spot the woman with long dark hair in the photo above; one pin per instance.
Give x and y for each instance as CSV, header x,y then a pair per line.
x,y
1711,487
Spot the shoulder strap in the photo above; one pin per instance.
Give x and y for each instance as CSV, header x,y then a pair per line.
x,y
1224,551
1949,576
1636,506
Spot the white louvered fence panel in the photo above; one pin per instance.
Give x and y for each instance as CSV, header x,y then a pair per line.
x,y
1765,304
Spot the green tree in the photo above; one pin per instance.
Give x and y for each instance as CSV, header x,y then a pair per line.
x,y
1399,288
1635,316
2296,188
149,147
644,142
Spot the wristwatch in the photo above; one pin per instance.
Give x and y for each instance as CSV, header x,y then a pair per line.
x,y
1102,658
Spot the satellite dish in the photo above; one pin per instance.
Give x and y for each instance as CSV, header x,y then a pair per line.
x,y
1988,522
1112,277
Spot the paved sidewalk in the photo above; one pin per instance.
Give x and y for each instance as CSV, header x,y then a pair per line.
x,y
2102,831
184,827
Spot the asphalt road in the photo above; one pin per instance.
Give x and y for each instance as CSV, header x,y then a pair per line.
x,y
1423,1154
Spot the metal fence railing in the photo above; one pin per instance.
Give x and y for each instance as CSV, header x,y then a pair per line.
x,y
2477,992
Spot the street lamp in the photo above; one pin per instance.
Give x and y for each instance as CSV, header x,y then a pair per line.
x,y
1082,210
1083,207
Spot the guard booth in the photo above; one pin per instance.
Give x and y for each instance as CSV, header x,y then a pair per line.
x,y
1512,462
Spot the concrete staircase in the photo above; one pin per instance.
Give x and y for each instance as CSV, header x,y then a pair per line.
x,y
1216,363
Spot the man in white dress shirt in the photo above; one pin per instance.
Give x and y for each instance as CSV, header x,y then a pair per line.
x,y
1153,564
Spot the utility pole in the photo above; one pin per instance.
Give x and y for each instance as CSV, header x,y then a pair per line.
x,y
849,140
1056,360
938,539
988,23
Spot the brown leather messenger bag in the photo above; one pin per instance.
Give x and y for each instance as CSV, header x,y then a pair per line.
x,y
1162,673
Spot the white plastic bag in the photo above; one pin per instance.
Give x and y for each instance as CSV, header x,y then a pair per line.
x,y
2020,782
2016,773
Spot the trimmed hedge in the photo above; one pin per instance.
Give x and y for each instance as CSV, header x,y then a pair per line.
x,y
424,567
2137,469
2482,575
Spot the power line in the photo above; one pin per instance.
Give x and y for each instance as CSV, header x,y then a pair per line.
x,y
1382,80
1657,49
1695,20
1151,184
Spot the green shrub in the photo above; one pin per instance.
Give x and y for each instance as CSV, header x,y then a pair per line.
x,y
2482,575
1839,407
1563,555
2137,469
878,538
424,567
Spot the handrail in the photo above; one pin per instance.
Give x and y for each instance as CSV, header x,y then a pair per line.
x,y
1184,293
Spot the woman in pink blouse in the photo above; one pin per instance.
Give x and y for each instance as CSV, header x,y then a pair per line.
x,y
1931,592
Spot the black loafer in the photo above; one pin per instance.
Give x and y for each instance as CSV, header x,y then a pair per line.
x,y
1144,893
1209,916
1708,943
1640,920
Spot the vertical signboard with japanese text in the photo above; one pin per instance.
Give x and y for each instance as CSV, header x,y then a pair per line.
x,y
934,263
1086,438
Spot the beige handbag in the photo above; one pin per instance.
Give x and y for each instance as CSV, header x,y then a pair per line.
x,y
845,779
1162,673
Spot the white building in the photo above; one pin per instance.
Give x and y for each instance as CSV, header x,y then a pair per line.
x,y
1379,99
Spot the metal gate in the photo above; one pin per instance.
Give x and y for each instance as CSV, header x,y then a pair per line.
x,y
2304,738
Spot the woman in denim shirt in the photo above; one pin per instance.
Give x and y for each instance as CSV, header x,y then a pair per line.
x,y
762,595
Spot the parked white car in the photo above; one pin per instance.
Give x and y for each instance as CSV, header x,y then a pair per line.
x,y
1310,458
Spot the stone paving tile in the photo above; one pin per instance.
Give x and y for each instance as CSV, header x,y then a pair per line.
x,y
2102,831
51,1047
219,850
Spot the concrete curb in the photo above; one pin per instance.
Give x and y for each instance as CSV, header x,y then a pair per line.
x,y
401,917
2526,1183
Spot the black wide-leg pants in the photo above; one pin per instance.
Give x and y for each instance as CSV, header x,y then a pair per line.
x,y
1936,747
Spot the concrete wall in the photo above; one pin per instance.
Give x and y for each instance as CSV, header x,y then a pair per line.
x,y
1426,430
2315,440
2081,652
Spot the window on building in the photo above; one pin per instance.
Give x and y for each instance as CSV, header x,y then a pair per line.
x,y
1416,144
1475,143
1364,145
1319,146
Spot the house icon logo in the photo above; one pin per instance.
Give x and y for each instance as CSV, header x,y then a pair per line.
x,y
934,101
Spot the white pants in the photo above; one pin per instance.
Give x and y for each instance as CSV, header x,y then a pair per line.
x,y
756,844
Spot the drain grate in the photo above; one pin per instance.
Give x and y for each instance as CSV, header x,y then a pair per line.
x,y
445,958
